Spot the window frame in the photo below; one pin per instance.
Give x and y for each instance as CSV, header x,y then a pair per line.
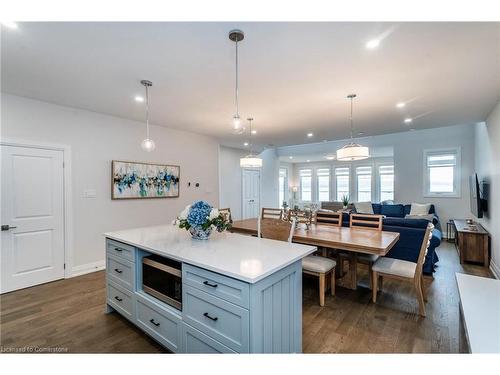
x,y
355,174
457,173
349,185
316,176
300,184
378,176
285,185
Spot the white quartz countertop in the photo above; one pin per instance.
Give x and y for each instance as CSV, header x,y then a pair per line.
x,y
246,258
480,300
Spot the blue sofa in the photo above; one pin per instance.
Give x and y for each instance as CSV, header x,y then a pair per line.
x,y
411,233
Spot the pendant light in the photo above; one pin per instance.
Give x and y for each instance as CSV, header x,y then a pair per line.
x,y
147,144
251,160
352,151
236,36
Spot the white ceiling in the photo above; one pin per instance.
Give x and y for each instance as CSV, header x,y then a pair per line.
x,y
294,77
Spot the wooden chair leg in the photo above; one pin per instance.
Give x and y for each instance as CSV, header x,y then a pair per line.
x,y
322,289
380,283
420,297
374,286
332,282
422,286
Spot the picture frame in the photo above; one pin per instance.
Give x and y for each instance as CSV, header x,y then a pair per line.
x,y
142,180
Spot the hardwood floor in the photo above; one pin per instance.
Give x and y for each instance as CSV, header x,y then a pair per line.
x,y
68,316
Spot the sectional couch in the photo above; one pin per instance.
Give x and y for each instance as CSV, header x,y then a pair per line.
x,y
411,231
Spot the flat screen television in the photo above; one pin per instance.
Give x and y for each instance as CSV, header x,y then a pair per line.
x,y
477,203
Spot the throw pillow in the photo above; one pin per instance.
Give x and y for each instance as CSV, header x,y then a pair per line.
x,y
393,210
420,209
363,207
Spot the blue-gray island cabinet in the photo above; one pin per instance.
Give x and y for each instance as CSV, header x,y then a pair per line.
x,y
235,294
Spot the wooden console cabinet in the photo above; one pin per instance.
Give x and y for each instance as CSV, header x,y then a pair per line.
x,y
472,245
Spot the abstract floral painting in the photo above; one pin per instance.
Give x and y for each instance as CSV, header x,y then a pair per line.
x,y
143,180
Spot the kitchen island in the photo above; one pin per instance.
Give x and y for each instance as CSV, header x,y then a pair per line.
x,y
229,294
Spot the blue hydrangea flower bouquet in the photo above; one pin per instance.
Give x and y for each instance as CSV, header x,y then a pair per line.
x,y
200,219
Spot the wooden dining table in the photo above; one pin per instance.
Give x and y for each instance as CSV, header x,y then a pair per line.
x,y
350,240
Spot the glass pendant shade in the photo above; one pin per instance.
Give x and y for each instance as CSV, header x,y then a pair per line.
x,y
352,152
148,145
251,161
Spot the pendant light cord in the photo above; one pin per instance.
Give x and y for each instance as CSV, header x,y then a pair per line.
x,y
147,112
236,86
251,145
351,119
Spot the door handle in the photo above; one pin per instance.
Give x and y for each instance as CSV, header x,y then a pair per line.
x,y
7,227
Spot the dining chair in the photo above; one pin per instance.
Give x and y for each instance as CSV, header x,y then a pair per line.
x,y
329,218
227,214
366,221
321,267
271,213
404,270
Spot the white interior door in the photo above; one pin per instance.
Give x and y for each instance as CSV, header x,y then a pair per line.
x,y
32,217
251,193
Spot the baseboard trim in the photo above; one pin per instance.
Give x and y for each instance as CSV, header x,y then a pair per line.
x,y
494,269
88,268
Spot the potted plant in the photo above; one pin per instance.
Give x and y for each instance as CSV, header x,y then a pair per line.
x,y
345,201
200,219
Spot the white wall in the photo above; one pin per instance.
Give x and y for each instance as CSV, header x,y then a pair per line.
x,y
95,140
408,149
487,138
269,193
230,179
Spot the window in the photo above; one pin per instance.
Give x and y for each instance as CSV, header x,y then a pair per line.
x,y
386,182
305,185
323,178
364,183
442,173
341,183
282,183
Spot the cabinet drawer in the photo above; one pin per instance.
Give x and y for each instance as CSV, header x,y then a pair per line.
x,y
196,342
224,287
161,324
120,249
121,300
120,271
221,320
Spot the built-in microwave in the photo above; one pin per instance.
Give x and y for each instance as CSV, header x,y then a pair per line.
x,y
162,279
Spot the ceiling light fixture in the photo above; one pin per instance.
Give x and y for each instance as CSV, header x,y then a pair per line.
x,y
372,44
139,99
408,120
251,160
400,105
10,24
310,135
254,131
236,36
308,160
330,157
245,144
147,144
352,151
290,157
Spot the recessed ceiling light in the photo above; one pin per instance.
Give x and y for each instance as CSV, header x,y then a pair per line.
x,y
310,135
254,131
308,160
10,24
139,99
412,129
372,44
290,157
408,120
245,144
330,157
400,105
361,133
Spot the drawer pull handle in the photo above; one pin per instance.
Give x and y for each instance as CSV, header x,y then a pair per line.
x,y
206,315
208,284
154,323
118,249
118,299
118,270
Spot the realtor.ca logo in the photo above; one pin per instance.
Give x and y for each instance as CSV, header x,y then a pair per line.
x,y
33,349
